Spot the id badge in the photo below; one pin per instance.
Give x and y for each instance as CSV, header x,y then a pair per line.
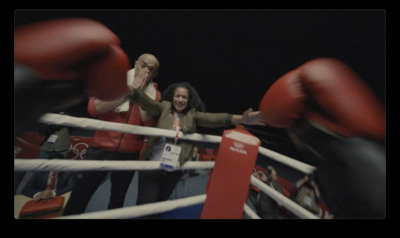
x,y
52,139
170,156
307,201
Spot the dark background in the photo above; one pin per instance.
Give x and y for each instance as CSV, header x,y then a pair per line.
x,y
232,57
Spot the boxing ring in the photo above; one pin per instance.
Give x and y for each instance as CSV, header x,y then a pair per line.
x,y
138,211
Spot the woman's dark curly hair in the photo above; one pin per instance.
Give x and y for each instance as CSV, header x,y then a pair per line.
x,y
194,98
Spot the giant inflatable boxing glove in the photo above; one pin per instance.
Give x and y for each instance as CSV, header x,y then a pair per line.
x,y
339,124
58,63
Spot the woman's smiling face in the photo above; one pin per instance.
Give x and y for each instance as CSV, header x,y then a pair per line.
x,y
181,99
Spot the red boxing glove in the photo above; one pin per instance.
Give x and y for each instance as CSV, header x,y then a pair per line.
x,y
324,96
284,102
74,49
328,92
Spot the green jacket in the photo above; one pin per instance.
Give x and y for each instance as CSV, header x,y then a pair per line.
x,y
189,122
62,143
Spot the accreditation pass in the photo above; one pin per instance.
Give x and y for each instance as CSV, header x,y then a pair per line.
x,y
170,156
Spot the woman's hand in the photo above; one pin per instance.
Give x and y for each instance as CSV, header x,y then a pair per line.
x,y
250,117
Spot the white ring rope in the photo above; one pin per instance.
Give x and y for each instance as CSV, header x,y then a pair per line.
x,y
252,214
78,165
282,199
159,207
93,124
83,165
140,210
303,167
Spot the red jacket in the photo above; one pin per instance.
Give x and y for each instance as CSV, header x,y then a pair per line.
x,y
116,141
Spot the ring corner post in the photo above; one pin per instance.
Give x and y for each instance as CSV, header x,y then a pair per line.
x,y
228,187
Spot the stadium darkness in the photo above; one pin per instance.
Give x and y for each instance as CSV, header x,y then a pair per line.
x,y
232,57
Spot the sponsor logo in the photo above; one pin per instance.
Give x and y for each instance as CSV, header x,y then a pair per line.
x,y
258,173
78,150
238,147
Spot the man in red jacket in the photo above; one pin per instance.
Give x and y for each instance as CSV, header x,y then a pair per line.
x,y
112,145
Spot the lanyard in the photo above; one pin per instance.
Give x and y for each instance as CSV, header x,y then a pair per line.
x,y
177,126
52,180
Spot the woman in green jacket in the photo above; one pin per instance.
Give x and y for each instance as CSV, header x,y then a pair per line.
x,y
181,109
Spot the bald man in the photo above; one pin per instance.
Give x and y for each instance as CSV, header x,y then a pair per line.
x,y
112,145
